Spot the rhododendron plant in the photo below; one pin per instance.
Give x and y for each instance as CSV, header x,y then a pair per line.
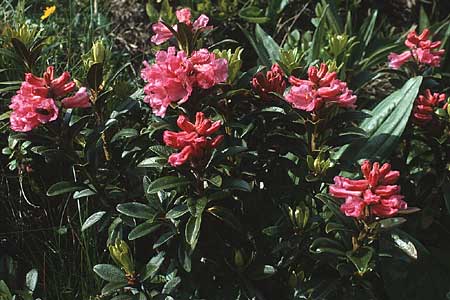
x,y
271,158
195,141
375,195
421,50
321,89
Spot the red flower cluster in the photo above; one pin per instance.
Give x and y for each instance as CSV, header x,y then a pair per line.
x,y
34,102
173,76
272,81
421,49
321,89
162,33
375,195
194,141
425,105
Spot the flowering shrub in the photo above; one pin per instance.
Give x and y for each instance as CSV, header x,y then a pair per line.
x,y
255,157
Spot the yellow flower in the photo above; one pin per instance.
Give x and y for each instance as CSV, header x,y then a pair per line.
x,y
48,11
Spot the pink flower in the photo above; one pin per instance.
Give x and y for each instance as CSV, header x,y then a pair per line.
x,y
184,16
353,207
425,105
201,23
167,80
209,71
34,103
163,34
377,191
80,99
30,111
272,81
321,89
194,141
421,49
174,75
397,60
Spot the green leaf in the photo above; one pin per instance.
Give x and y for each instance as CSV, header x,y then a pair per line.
x,y
388,121
424,21
170,285
136,210
253,14
64,187
260,51
143,230
153,162
153,266
192,230
316,43
110,273
271,47
361,258
94,218
326,245
225,215
177,211
4,291
236,184
164,238
124,133
391,222
165,183
332,16
113,286
31,279
83,193
184,256
21,49
197,206
95,76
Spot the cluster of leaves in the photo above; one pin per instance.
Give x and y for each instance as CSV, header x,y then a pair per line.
x,y
256,222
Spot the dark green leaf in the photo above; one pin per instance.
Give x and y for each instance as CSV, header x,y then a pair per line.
x,y
31,279
361,258
192,230
271,47
64,187
110,273
94,218
95,76
166,183
136,210
225,215
177,211
153,266
143,230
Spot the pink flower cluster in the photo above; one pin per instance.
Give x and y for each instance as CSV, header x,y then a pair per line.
x,y
272,81
376,194
34,102
163,34
421,50
425,105
321,89
194,141
174,75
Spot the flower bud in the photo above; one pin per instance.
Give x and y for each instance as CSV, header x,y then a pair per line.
x,y
120,252
99,52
